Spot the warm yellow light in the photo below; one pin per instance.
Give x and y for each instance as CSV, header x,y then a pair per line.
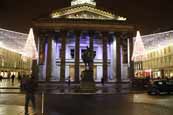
x,y
121,18
10,49
77,2
30,50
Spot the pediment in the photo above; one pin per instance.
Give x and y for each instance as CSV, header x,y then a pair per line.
x,y
87,15
84,12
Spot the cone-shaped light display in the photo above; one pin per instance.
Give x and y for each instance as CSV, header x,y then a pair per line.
x,y
30,50
138,50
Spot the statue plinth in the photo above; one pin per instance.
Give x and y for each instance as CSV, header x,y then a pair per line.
x,y
87,83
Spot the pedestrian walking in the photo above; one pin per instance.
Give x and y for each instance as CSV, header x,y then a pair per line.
x,y
12,78
30,87
19,78
69,81
102,81
1,78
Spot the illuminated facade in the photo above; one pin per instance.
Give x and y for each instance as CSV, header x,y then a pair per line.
x,y
63,36
159,53
11,45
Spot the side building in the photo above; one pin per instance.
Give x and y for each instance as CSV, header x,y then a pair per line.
x,y
159,53
11,60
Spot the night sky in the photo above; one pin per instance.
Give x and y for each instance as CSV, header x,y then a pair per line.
x,y
148,15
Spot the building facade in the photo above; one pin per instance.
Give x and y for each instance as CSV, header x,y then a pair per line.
x,y
11,62
159,53
64,35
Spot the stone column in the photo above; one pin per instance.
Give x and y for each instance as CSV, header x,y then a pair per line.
x,y
42,56
105,67
131,67
42,44
118,58
34,62
91,45
49,58
63,56
77,56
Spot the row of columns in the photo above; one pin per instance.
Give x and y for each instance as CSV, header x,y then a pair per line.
x,y
77,54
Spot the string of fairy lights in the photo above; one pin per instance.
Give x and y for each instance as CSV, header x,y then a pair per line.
x,y
19,43
12,41
149,43
157,41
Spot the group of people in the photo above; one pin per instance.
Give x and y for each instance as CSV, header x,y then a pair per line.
x,y
12,78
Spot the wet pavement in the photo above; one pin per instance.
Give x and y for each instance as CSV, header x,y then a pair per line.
x,y
53,99
13,104
7,83
120,104
113,104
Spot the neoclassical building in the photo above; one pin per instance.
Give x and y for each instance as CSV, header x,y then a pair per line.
x,y
64,34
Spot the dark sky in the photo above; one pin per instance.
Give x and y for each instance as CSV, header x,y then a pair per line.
x,y
149,15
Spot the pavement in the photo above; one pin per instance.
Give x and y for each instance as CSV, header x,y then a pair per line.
x,y
12,98
56,88
60,99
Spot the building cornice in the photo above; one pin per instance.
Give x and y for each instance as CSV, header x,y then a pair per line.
x,y
102,25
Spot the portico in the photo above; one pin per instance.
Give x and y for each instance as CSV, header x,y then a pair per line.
x,y
62,37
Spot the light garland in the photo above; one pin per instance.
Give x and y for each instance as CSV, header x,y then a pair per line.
x,y
12,41
139,50
158,41
30,50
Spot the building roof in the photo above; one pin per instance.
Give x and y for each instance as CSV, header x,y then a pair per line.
x,y
83,16
85,11
11,40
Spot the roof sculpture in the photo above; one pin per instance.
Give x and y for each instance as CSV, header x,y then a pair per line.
x,y
77,2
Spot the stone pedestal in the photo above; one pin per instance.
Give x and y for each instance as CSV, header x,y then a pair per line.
x,y
87,83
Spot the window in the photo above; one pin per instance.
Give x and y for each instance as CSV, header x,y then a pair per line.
x,y
72,53
83,50
94,54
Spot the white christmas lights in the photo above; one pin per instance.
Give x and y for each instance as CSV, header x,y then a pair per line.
x,y
139,50
158,41
12,41
30,50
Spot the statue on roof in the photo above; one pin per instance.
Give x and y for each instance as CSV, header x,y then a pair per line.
x,y
77,2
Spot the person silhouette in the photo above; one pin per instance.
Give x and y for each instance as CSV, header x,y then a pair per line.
x,y
12,78
69,81
30,87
